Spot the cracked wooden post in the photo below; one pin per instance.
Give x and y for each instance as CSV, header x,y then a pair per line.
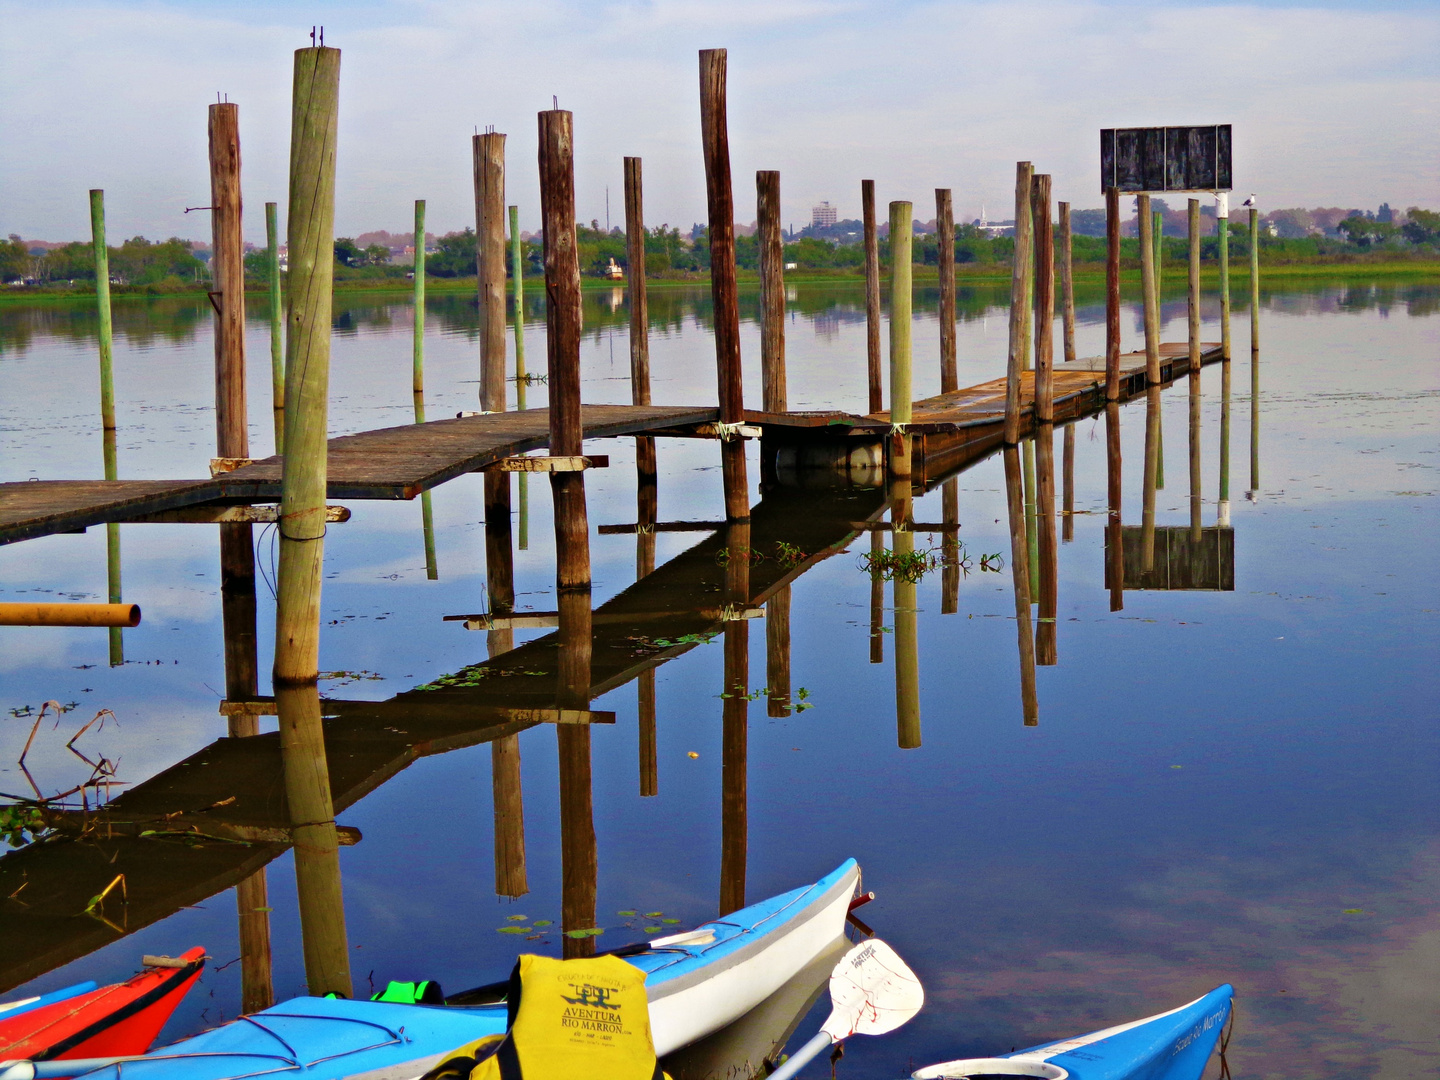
x,y
772,292
1148,292
721,203
645,464
945,238
277,324
1019,273
1067,284
876,398
311,227
1044,299
227,270
1112,294
902,225
489,157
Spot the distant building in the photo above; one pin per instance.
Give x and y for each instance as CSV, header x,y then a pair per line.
x,y
823,215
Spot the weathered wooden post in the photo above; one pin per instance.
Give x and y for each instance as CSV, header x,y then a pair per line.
x,y
772,292
489,154
646,514
1149,480
1193,311
1254,350
311,227
417,350
102,309
721,203
1114,497
227,270
945,238
517,272
777,652
1067,489
645,463
1159,237
1049,549
872,296
277,324
1044,300
1020,576
735,726
1019,272
902,224
1222,234
1067,284
877,600
1112,294
1149,294
579,865
950,548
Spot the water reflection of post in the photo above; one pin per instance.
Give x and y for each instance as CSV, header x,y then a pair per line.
x,y
735,737
1019,574
517,275
877,601
647,513
1193,312
302,522
510,875
417,381
1222,513
1049,549
572,529
1152,454
1115,493
112,553
1067,497
905,593
950,548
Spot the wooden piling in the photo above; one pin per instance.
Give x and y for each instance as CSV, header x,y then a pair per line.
x,y
872,297
1222,233
877,601
945,238
1114,500
777,653
511,878
1254,281
904,591
563,324
417,350
311,224
1067,285
489,156
1149,297
1222,512
1020,271
721,204
772,292
102,310
517,276
277,324
1020,576
1049,549
1158,235
1149,484
635,284
1112,294
1193,311
950,548
902,224
735,721
227,271
1067,489
646,514
1044,299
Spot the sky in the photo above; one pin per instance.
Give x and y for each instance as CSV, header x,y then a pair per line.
x,y
1333,103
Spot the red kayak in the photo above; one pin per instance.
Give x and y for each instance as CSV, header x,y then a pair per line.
x,y
119,1020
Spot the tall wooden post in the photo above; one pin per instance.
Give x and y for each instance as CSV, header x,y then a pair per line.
x,y
1049,549
721,201
227,269
902,224
1222,234
1067,284
645,463
735,729
311,226
102,309
1112,294
563,324
945,238
1150,479
772,292
1019,272
1254,350
1158,234
1114,499
417,350
1020,576
277,322
872,297
517,274
489,153
1148,290
1193,309
1067,487
1044,300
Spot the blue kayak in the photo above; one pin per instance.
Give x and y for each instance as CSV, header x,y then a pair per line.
x,y
30,1004
1174,1045
700,982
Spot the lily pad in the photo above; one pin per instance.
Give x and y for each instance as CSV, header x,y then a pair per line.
x,y
653,929
511,930
627,914
653,914
517,918
543,922
670,922
593,931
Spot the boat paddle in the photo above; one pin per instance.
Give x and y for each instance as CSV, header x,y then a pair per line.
x,y
871,992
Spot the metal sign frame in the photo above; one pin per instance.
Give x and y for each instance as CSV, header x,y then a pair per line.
x,y
1163,159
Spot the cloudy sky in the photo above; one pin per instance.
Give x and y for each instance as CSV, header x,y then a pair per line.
x,y
1333,103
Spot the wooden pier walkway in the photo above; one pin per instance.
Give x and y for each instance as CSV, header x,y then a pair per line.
x,y
401,462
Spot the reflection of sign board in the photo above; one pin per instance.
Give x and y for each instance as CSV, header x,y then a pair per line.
x,y
1180,562
1166,158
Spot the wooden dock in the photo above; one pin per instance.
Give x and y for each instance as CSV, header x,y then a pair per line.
x,y
401,462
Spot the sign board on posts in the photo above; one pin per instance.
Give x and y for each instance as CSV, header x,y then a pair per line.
x,y
1166,158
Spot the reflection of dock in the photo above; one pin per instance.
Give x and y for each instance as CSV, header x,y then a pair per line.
x,y
401,462
1182,560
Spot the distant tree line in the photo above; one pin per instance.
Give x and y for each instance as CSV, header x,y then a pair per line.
x,y
169,265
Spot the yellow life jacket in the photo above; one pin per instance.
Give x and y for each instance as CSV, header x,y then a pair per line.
x,y
585,1019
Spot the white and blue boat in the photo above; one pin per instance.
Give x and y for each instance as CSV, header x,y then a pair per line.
x,y
697,982
1174,1045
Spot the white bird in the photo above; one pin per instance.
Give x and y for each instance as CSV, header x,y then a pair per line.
x,y
1250,201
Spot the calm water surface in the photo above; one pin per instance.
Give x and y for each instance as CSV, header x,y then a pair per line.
x,y
1223,785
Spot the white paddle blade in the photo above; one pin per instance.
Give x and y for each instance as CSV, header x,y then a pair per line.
x,y
871,992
